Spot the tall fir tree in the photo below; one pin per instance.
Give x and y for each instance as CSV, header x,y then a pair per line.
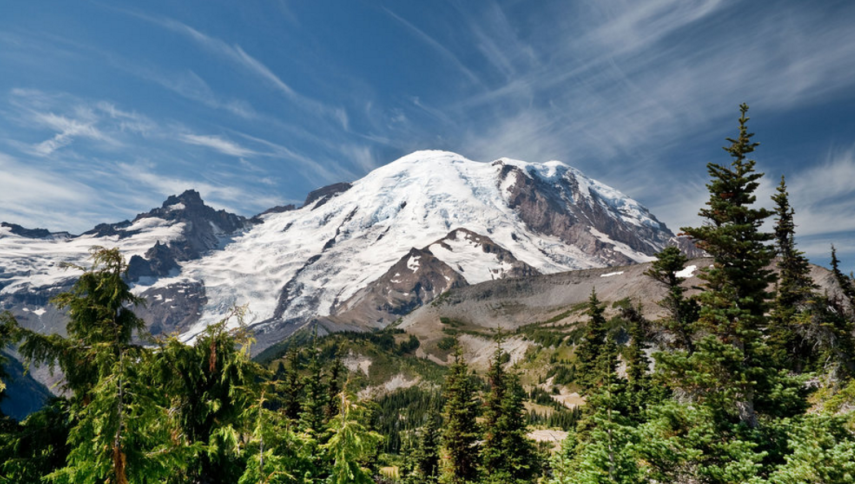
x,y
121,429
735,297
209,385
847,286
589,349
507,455
352,445
794,291
315,395
422,463
459,455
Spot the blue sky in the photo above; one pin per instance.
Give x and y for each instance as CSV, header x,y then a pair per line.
x,y
107,108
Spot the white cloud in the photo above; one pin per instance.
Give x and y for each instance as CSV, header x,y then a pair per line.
x,y
217,143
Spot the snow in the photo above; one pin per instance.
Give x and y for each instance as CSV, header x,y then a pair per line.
x,y
467,257
621,247
687,272
39,311
413,263
177,206
409,203
35,263
610,274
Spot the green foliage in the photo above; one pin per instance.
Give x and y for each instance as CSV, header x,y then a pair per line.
x,y
422,462
507,455
459,454
682,312
589,352
447,343
352,445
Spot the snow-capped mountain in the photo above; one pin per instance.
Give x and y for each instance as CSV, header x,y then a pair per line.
x,y
355,254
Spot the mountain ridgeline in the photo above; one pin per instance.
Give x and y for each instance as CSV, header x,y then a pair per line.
x,y
354,256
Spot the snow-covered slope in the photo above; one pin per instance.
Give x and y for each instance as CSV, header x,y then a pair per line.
x,y
296,265
301,264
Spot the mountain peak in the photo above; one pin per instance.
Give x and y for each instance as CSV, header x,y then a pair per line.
x,y
189,198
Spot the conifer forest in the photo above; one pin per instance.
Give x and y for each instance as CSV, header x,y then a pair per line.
x,y
748,378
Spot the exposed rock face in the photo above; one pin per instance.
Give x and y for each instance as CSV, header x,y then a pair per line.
x,y
158,262
34,233
418,278
173,308
579,212
257,219
477,258
204,226
324,194
155,243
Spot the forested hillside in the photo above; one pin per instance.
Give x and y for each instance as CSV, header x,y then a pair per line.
x,y
747,378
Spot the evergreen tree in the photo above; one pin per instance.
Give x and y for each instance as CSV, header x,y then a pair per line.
x,y
589,349
351,444
459,463
293,385
209,385
315,397
121,430
735,298
682,312
507,455
275,455
795,288
37,446
846,284
637,363
423,462
603,449
334,387
8,335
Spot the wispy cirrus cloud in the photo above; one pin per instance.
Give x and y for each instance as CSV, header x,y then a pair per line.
x,y
217,143
237,55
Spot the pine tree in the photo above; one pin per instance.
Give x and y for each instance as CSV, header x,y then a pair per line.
x,y
507,455
795,288
293,385
459,463
603,448
846,284
423,459
682,312
315,397
589,349
121,432
637,363
334,387
735,298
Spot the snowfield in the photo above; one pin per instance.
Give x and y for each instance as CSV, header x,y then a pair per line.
x,y
303,263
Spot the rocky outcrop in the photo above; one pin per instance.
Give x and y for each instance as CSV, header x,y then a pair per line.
x,y
158,262
324,194
583,213
33,233
418,278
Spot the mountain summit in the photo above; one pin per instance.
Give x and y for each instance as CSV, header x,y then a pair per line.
x,y
355,255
